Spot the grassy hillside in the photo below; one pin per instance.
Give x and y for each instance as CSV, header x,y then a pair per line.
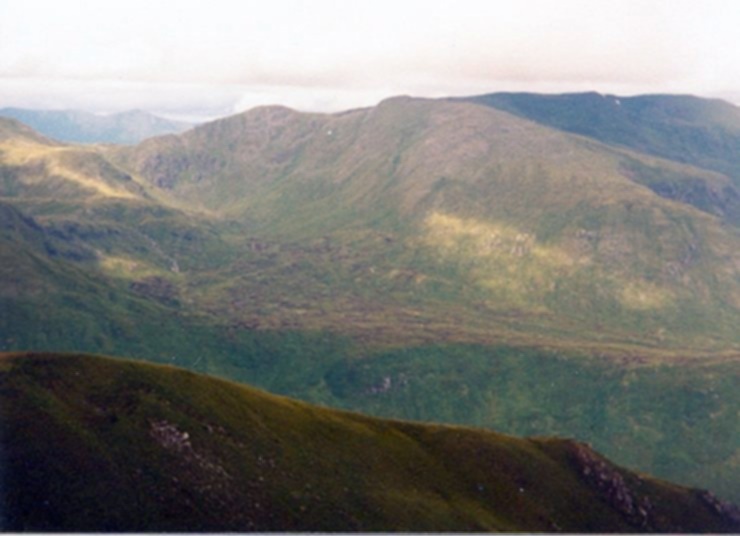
x,y
457,211
677,420
105,445
703,132
683,128
455,220
495,271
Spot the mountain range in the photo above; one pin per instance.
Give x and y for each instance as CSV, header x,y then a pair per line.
x,y
78,126
539,265
697,131
456,204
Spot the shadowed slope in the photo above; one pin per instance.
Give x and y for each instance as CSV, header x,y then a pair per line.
x,y
104,445
704,132
701,132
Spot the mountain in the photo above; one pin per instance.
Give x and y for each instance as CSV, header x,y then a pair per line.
x,y
702,132
684,128
677,418
424,259
94,444
84,127
11,129
457,207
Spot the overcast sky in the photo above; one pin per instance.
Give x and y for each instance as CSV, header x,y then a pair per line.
x,y
216,57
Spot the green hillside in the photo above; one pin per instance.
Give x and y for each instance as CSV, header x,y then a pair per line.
x,y
496,272
94,444
455,210
447,217
678,420
701,132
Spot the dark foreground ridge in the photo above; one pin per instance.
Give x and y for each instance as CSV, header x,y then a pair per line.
x,y
97,444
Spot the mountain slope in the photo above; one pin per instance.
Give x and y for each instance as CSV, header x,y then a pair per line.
x,y
186,452
701,132
677,419
673,417
319,255
453,204
84,127
52,296
34,167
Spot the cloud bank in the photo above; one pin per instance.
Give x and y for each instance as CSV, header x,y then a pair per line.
x,y
217,56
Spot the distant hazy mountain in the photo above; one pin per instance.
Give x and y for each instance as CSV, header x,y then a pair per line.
x,y
102,445
84,127
14,130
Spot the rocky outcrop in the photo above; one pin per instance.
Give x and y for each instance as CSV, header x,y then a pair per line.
x,y
612,486
637,509
727,510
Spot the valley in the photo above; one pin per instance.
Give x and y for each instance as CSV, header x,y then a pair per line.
x,y
462,262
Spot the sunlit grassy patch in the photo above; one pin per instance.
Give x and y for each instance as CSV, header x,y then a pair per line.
x,y
643,295
127,267
474,238
19,153
501,258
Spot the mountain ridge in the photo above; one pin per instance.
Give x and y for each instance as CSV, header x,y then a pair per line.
x,y
409,169
189,452
685,128
444,247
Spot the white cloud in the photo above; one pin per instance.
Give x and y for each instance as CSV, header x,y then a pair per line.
x,y
328,55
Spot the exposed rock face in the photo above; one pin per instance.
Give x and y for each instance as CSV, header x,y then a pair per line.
x,y
725,509
168,436
637,510
612,486
202,472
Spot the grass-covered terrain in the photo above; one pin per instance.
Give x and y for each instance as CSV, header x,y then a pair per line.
x,y
396,220
95,444
433,260
679,421
453,210
684,128
702,132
